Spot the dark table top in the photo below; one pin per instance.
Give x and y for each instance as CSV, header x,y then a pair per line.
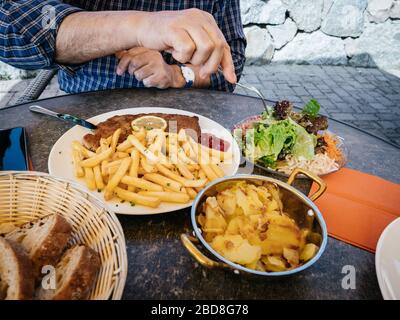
x,y
159,266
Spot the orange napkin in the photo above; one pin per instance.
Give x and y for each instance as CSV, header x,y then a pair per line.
x,y
357,207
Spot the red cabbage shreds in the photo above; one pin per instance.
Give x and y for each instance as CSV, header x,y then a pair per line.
x,y
282,110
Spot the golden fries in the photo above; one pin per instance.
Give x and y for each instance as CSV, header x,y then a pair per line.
x,y
98,178
85,152
97,159
116,178
191,192
79,172
163,181
89,178
141,183
211,175
114,139
149,167
142,149
176,197
217,170
137,198
184,171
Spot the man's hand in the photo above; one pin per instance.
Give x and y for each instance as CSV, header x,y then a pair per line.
x,y
149,66
190,35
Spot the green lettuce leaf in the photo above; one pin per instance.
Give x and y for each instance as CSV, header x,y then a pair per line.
x,y
312,108
268,141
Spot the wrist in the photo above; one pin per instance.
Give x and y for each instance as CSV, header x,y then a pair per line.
x,y
178,81
135,28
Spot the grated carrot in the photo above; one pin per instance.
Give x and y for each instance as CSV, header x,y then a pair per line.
x,y
332,149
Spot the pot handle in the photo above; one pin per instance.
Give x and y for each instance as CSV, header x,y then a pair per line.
x,y
321,183
187,241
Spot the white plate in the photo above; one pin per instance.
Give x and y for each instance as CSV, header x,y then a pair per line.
x,y
387,261
60,158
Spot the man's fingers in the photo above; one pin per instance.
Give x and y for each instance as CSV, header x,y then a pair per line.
x,y
137,62
144,72
228,68
204,45
155,81
183,46
120,54
211,66
123,64
221,56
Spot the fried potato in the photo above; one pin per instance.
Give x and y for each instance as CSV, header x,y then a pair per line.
x,y
114,139
89,178
163,181
209,172
309,251
236,249
135,198
184,171
246,224
117,177
76,156
185,182
96,159
124,146
98,177
166,196
141,183
142,149
85,152
191,192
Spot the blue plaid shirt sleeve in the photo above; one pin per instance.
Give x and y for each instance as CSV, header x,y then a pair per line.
x,y
28,30
230,22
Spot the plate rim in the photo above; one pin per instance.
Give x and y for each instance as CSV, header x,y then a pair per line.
x,y
176,207
378,255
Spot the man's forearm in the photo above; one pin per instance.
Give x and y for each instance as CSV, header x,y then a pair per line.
x,y
84,36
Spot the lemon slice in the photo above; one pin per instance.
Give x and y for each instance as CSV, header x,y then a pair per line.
x,y
149,123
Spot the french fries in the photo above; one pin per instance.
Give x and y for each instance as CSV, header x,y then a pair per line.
x,y
89,178
117,177
166,196
96,159
79,172
141,183
149,167
163,181
137,198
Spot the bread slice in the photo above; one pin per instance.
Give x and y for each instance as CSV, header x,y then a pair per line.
x,y
16,272
75,274
44,240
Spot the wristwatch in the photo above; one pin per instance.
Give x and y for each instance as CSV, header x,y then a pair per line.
x,y
188,75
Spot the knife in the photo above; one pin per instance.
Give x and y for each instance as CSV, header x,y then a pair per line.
x,y
64,117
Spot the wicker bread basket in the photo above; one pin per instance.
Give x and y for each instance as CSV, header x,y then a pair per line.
x,y
26,196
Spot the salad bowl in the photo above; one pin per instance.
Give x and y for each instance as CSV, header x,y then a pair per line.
x,y
279,140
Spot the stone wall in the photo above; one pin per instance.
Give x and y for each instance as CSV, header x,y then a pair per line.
x,y
362,33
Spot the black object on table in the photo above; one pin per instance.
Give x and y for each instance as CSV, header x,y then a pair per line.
x,y
159,266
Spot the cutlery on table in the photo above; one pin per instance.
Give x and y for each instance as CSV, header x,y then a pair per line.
x,y
64,117
256,91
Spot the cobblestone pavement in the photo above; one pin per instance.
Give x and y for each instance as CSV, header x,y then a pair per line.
x,y
366,98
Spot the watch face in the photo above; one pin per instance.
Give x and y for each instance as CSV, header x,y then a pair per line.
x,y
187,73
